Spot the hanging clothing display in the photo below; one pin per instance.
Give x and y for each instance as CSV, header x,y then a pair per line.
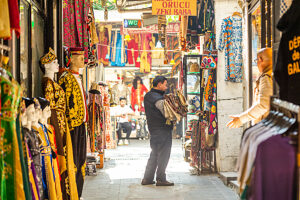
x,y
119,91
117,49
56,96
231,41
103,45
55,164
267,160
14,16
76,115
4,20
137,96
75,14
108,139
11,177
32,175
287,70
34,160
46,161
146,60
95,119
133,50
93,39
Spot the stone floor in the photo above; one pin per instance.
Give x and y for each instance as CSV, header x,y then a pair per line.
x,y
120,179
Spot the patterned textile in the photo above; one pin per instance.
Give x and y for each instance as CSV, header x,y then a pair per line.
x,y
23,159
137,96
55,165
284,6
103,48
93,39
75,14
33,149
56,96
195,143
116,51
75,107
231,41
146,60
11,177
107,138
95,119
133,50
47,165
213,124
32,175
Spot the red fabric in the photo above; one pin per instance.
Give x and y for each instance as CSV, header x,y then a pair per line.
x,y
133,44
138,97
75,14
14,16
102,47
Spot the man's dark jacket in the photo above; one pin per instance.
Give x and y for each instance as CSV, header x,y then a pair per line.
x,y
287,69
155,119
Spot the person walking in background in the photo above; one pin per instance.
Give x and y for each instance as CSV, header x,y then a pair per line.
x,y
262,92
122,111
160,134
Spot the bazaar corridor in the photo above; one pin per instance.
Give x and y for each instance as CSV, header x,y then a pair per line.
x,y
121,177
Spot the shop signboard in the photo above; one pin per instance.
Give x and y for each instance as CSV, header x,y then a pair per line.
x,y
174,7
171,28
132,23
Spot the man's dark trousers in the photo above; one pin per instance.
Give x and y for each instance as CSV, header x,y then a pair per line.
x,y
161,144
127,127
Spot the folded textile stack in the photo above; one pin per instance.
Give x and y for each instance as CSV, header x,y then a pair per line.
x,y
175,107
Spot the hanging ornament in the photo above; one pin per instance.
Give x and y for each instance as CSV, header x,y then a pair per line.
x,y
138,59
172,62
127,37
107,56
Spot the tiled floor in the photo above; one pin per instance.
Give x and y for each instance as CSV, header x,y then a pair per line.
x,y
120,179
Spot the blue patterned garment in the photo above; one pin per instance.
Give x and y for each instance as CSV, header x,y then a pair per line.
x,y
231,40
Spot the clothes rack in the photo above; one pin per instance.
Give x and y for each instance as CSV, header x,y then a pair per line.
x,y
287,107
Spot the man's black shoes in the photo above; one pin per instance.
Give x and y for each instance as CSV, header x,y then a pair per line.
x,y
164,183
145,182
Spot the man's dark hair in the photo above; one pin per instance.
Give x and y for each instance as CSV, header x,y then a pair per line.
x,y
158,79
122,98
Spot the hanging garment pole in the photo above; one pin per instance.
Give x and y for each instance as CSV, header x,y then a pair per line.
x,y
295,109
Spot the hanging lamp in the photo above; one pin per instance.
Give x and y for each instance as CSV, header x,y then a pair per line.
x,y
172,62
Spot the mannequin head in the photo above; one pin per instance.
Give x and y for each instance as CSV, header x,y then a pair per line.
x,y
52,67
264,59
76,59
49,63
137,81
29,115
45,110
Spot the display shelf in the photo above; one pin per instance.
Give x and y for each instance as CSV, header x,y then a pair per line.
x,y
193,73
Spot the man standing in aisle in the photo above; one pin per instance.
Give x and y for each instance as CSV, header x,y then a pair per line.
x,y
160,134
262,92
122,111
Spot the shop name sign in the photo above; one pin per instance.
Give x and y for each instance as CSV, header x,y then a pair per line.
x,y
132,23
174,7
